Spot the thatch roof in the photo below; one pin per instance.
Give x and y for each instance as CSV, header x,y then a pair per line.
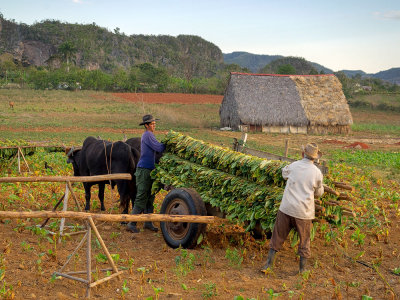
x,y
282,100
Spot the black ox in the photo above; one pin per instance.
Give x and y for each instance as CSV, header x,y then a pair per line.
x,y
100,157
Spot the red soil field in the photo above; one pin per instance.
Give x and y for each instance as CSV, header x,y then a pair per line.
x,y
358,145
170,98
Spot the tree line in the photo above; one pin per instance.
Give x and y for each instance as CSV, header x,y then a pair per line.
x,y
143,77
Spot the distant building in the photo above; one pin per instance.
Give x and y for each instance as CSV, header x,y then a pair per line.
x,y
367,88
285,104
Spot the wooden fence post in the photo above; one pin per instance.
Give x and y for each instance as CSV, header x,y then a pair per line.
x,y
65,205
286,147
88,258
19,160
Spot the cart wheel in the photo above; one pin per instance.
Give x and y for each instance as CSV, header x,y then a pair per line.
x,y
182,202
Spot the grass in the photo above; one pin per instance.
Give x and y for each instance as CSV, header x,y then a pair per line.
x,y
379,100
94,111
376,128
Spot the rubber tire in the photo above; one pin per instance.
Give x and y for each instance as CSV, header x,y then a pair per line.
x,y
194,205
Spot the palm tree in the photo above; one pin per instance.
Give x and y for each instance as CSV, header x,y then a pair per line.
x,y
67,50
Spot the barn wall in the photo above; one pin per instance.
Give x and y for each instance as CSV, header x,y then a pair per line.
x,y
228,111
338,129
285,129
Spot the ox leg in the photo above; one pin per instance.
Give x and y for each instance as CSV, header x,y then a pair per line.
x,y
132,196
87,195
123,190
101,195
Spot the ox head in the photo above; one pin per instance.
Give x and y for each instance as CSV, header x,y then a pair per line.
x,y
73,155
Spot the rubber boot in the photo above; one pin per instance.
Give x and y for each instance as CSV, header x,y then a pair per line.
x,y
149,225
270,260
132,225
302,265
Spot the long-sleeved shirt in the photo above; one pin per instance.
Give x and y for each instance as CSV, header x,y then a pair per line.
x,y
304,180
149,146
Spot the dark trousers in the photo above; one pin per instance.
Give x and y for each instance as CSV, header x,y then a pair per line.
x,y
282,227
144,198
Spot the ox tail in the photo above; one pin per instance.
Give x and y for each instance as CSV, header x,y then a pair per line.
x,y
133,159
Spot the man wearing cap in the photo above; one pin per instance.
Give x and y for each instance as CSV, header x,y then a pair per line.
x,y
297,209
144,199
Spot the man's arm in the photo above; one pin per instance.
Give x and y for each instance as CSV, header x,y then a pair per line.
x,y
286,172
154,144
319,188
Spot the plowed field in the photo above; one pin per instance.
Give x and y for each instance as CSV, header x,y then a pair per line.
x,y
170,98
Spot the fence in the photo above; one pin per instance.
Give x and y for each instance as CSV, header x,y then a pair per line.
x,y
89,223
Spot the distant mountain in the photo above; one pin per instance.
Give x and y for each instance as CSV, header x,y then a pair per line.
x,y
352,73
257,64
300,65
392,75
320,68
98,48
254,62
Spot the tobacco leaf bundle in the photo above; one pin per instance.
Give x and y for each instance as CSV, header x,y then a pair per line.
x,y
250,167
246,188
238,198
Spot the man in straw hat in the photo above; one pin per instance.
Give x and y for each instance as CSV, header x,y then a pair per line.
x,y
297,209
144,199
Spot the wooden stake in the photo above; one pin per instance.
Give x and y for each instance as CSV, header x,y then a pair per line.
x,y
84,272
64,209
344,186
54,209
244,138
71,277
344,196
93,284
348,213
103,245
332,203
26,163
329,190
19,161
76,250
11,162
286,147
88,259
73,195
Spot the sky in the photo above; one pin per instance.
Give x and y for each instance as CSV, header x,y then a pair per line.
x,y
340,34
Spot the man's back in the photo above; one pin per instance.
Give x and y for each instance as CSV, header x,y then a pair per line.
x,y
304,180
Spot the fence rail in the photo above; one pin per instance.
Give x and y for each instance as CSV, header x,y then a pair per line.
x,y
116,176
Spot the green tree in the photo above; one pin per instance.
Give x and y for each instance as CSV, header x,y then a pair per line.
x,y
68,51
286,70
152,78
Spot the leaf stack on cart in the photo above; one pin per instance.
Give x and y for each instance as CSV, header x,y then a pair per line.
x,y
246,188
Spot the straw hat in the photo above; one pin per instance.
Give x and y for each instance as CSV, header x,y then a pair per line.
x,y
311,150
148,119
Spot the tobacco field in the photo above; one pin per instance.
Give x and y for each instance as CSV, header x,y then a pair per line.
x,y
356,241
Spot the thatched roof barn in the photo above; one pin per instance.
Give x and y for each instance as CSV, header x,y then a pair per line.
x,y
285,103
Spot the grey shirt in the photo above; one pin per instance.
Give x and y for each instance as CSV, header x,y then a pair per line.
x,y
304,180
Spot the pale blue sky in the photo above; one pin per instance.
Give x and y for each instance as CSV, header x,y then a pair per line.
x,y
338,34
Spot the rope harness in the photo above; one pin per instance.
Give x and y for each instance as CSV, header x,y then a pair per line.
x,y
109,169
